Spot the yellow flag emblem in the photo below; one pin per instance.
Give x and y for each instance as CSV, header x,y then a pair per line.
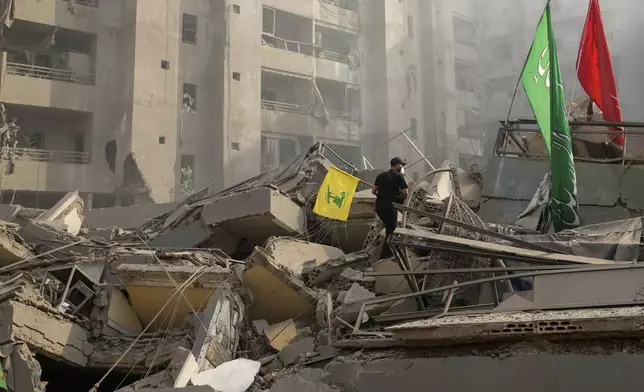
x,y
336,194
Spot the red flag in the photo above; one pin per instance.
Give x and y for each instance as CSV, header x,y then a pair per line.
x,y
595,69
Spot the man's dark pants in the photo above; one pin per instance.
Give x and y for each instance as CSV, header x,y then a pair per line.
x,y
389,216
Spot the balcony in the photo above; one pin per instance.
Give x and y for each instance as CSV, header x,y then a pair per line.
x,y
334,16
467,99
345,4
466,53
281,54
84,17
36,155
55,171
47,87
288,119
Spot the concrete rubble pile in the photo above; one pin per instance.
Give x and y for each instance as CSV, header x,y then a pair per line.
x,y
248,290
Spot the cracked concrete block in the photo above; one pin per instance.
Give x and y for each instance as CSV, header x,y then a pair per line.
x,y
298,255
70,210
590,215
256,215
631,188
342,375
599,184
271,367
23,371
358,293
281,334
290,354
511,178
223,317
278,295
12,251
48,333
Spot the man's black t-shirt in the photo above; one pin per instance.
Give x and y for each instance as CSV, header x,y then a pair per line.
x,y
389,184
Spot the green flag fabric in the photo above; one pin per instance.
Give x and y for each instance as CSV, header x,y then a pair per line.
x,y
536,78
541,79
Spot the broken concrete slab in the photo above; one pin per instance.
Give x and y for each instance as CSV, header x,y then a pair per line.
x,y
277,294
296,255
545,324
350,235
272,367
70,210
291,353
281,334
358,293
23,371
223,318
150,288
121,316
256,215
323,273
233,376
11,249
356,276
46,330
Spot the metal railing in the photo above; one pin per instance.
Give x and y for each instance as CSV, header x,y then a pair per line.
x,y
36,155
346,4
285,44
285,107
340,115
61,75
89,3
516,138
332,56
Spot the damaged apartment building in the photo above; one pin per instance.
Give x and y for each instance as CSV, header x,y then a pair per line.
x,y
132,102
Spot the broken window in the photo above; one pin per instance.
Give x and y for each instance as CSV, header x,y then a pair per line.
x,y
286,31
189,98
285,93
279,150
335,45
187,178
465,30
189,29
342,100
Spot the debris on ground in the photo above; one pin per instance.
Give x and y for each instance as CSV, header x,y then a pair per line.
x,y
248,289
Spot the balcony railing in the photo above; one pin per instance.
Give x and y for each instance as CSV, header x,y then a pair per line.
x,y
332,56
285,107
61,75
346,4
340,115
35,155
89,3
285,44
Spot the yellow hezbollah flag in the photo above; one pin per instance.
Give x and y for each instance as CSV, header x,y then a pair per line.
x,y
336,194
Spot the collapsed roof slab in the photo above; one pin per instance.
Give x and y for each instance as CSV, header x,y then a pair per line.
x,y
12,251
551,325
151,291
47,332
256,215
277,294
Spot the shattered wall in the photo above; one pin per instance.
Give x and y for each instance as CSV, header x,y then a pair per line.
x,y
605,192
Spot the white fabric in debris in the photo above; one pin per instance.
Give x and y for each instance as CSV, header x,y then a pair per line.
x,y
233,376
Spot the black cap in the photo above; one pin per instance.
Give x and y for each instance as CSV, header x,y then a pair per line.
x,y
397,161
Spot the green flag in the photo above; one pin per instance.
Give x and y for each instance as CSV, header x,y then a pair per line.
x,y
541,79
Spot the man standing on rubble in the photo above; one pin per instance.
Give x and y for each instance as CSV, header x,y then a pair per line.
x,y
390,188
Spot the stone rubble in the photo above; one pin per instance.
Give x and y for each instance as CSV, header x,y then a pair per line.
x,y
212,280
